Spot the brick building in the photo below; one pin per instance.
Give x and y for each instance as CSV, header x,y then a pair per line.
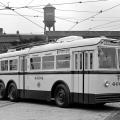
x,y
20,41
17,41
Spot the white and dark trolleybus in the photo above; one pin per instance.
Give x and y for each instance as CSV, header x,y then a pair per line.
x,y
71,70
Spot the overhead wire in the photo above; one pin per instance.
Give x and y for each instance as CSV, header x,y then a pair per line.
x,y
3,4
75,22
78,22
73,26
94,1
100,20
114,28
66,10
9,8
34,9
22,14
103,25
76,11
100,12
55,16
64,19
28,19
30,2
78,2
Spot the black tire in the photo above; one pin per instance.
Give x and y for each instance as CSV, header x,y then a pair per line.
x,y
62,96
12,92
2,90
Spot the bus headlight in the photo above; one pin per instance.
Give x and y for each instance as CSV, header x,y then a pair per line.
x,y
107,84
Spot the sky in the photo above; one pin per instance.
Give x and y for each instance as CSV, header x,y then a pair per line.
x,y
70,15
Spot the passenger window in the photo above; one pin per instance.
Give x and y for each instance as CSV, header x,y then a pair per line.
x,y
63,61
76,61
35,63
48,62
81,61
4,65
91,60
86,61
13,64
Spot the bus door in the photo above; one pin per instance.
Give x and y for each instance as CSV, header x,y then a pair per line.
x,y
22,77
78,87
88,67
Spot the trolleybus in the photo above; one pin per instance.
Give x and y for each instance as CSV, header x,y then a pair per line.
x,y
70,70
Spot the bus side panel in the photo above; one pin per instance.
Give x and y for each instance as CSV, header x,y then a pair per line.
x,y
10,77
39,86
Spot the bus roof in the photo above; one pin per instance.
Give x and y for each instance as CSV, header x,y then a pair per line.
x,y
68,42
15,53
62,43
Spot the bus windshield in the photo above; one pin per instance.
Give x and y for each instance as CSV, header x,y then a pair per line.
x,y
107,58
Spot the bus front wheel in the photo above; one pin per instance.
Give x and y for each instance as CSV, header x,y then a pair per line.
x,y
62,96
2,90
12,92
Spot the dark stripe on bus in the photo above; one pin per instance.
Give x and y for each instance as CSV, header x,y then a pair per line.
x,y
61,72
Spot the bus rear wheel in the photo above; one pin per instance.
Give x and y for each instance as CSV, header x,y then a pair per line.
x,y
12,92
2,90
62,96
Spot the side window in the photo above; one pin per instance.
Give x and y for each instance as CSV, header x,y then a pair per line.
x,y
13,64
35,63
76,61
91,60
47,62
86,60
63,61
81,61
4,65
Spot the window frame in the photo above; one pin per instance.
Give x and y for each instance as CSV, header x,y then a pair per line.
x,y
116,59
16,64
34,62
57,68
48,61
3,64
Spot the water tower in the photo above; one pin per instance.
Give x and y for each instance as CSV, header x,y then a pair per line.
x,y
49,17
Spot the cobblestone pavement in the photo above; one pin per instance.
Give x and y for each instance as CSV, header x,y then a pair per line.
x,y
28,110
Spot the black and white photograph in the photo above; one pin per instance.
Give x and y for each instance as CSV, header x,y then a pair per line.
x,y
59,60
